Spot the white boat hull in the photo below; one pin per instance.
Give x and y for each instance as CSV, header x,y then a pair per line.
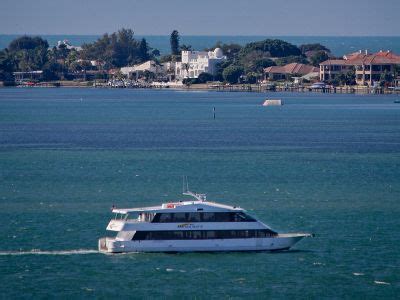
x,y
280,242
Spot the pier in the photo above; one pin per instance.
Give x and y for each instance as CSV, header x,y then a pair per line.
x,y
303,89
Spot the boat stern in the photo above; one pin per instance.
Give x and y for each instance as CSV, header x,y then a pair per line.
x,y
109,245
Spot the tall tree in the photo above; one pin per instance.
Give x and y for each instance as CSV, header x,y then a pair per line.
x,y
117,50
27,43
318,57
7,65
313,47
186,47
174,41
273,48
144,50
29,53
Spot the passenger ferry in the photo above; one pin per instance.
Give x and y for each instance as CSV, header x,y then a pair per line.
x,y
192,226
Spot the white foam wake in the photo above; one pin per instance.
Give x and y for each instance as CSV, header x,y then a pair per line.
x,y
56,252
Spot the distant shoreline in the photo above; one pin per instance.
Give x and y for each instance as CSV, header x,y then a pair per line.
x,y
339,45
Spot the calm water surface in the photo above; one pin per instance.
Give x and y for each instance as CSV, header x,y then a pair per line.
x,y
327,164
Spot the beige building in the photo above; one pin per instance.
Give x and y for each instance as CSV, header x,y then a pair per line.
x,y
367,67
149,66
289,70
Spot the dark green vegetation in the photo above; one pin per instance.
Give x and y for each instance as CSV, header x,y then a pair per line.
x,y
232,73
348,78
318,57
174,41
202,78
23,54
247,63
110,51
119,49
312,47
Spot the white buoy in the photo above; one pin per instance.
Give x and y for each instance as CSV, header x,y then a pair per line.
x,y
273,102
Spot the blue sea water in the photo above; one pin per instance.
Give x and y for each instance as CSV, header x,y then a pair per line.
x,y
339,45
322,163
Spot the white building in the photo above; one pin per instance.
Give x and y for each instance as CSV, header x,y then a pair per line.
x,y
196,62
68,45
150,66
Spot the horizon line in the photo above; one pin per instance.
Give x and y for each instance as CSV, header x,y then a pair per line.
x,y
208,35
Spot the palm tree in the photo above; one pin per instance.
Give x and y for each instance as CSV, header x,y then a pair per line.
x,y
186,66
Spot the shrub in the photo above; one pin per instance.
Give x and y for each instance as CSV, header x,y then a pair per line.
x,y
204,77
232,74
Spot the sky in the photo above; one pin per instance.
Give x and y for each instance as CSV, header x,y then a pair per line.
x,y
205,17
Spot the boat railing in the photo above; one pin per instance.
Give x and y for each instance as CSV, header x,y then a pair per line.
x,y
136,221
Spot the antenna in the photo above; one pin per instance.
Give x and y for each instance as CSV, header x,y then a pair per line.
x,y
185,184
185,191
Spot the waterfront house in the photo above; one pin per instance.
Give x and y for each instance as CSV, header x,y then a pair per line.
x,y
396,82
196,62
21,77
368,68
151,66
290,70
332,68
68,45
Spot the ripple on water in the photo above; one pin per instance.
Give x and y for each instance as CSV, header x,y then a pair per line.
x,y
381,282
56,252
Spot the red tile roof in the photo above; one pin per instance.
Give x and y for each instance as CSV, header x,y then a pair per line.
x,y
361,58
382,57
341,62
353,55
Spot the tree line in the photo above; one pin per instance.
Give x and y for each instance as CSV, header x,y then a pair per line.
x,y
249,61
121,49
110,51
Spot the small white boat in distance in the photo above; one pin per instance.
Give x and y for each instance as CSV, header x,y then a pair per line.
x,y
319,85
273,102
192,226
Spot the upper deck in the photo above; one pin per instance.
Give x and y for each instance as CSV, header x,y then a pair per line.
x,y
181,206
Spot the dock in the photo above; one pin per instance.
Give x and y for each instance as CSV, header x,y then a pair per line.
x,y
303,89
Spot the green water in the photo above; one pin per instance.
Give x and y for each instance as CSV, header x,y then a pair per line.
x,y
326,164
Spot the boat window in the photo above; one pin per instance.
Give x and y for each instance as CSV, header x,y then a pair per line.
x,y
178,235
203,234
210,234
145,217
193,217
164,218
195,234
149,217
119,216
223,217
208,217
265,233
140,235
200,217
179,217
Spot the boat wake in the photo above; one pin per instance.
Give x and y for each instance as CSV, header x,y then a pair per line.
x,y
56,252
